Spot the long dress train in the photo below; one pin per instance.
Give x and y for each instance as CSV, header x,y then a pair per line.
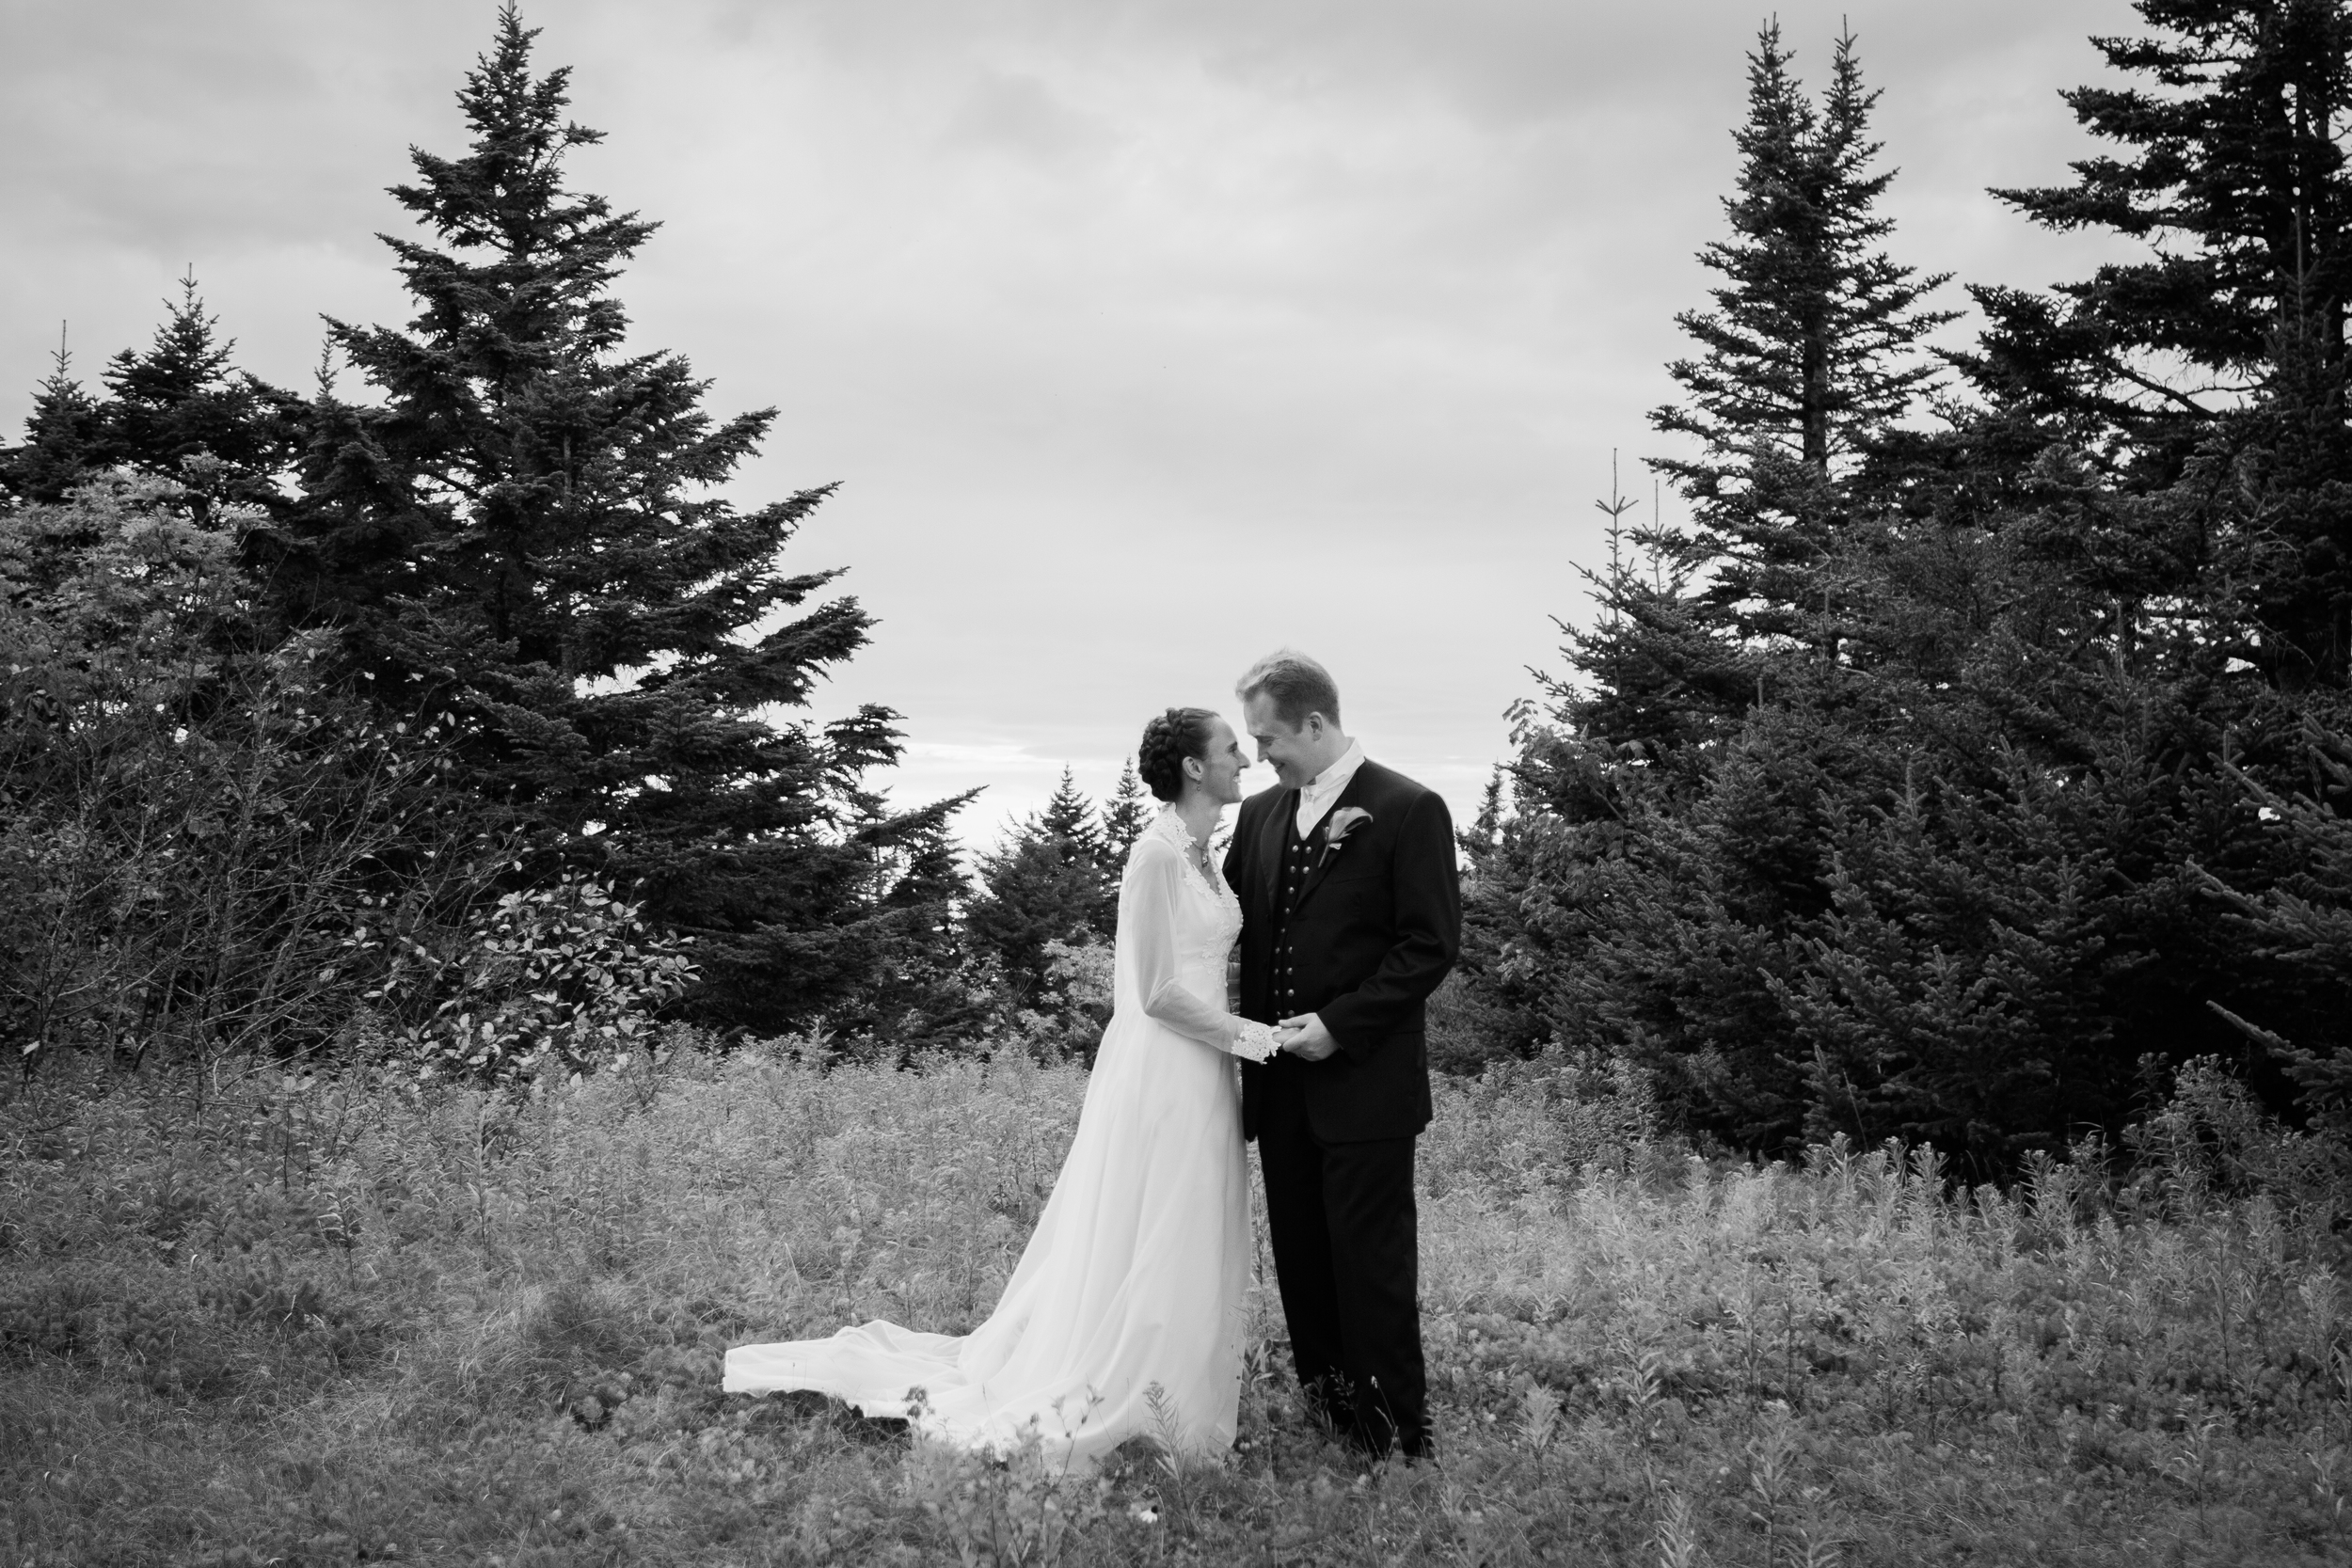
x,y
1135,1275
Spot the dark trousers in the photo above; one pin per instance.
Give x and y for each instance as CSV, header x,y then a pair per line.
x,y
1345,1255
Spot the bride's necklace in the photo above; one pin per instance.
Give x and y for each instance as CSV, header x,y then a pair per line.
x,y
1196,850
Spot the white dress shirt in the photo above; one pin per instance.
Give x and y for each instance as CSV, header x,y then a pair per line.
x,y
1318,794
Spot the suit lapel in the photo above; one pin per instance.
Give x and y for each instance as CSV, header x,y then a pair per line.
x,y
1324,861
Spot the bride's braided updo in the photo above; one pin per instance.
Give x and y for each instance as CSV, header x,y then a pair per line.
x,y
1168,740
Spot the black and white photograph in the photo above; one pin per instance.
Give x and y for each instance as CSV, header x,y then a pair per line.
x,y
1023,783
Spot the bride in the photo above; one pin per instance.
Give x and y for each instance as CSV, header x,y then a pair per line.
x,y
1133,1281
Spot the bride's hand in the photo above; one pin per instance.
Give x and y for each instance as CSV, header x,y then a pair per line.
x,y
1256,1042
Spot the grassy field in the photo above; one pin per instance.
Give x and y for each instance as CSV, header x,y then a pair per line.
x,y
324,1321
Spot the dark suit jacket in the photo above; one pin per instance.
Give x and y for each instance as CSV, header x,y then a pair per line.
x,y
1378,925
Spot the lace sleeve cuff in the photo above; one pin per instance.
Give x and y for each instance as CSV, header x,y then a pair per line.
x,y
1255,1042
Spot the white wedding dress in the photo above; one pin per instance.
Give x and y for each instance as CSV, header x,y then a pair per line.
x,y
1133,1277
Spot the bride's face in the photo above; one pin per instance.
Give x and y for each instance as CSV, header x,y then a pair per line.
x,y
1221,764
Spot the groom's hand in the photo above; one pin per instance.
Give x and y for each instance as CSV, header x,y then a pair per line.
x,y
1309,1040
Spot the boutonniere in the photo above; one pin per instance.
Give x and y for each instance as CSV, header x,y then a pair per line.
x,y
1342,826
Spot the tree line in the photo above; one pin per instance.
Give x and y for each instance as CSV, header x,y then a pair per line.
x,y
456,711
1974,754
1970,758
302,688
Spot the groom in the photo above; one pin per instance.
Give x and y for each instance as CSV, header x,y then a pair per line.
x,y
1351,914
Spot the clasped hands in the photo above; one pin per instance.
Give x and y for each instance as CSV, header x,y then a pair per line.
x,y
1305,1037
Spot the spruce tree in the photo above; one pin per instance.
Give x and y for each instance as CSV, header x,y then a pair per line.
x,y
1047,882
521,531
2210,374
1811,351
181,410
1966,880
2231,168
1654,672
1125,815
1068,818
64,438
927,993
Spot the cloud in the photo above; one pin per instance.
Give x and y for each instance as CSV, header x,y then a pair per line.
x,y
1021,115
1144,334
995,756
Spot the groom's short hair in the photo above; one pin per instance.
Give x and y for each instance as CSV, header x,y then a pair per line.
x,y
1296,685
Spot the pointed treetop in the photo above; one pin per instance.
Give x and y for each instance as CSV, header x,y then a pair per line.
x,y
554,251
1125,815
181,398
63,438
186,359
1069,819
58,389
1484,833
1811,346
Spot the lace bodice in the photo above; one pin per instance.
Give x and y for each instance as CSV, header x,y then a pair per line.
x,y
1176,929
1211,920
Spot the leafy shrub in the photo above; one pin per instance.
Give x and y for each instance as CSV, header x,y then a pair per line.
x,y
187,822
1066,1014
2210,1142
556,980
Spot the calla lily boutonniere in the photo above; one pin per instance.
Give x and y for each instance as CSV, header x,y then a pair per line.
x,y
1342,825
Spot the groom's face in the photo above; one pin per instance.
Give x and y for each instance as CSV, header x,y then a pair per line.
x,y
1292,752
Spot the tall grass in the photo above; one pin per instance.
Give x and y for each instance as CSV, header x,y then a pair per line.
x,y
323,1320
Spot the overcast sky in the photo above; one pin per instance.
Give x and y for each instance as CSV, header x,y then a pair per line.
x,y
1143,335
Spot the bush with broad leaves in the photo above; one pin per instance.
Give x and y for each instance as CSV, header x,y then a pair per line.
x,y
557,979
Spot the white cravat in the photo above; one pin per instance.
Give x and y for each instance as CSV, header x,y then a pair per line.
x,y
1316,795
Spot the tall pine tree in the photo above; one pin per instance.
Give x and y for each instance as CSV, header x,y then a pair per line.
x,y
521,531
1812,350
1674,890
